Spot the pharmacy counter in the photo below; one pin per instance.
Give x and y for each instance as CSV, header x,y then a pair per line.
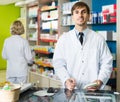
x,y
64,95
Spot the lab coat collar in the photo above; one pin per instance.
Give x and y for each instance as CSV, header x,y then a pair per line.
x,y
85,32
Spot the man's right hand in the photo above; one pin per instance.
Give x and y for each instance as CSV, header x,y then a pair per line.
x,y
70,83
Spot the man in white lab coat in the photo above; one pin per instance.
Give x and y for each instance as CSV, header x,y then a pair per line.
x,y
81,55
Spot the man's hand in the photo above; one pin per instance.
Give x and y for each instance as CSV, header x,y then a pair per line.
x,y
97,87
70,83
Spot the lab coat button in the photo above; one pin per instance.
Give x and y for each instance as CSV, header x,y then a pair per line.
x,y
82,73
82,61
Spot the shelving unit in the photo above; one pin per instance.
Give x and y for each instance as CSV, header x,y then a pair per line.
x,y
48,33
32,27
48,23
118,46
107,27
45,23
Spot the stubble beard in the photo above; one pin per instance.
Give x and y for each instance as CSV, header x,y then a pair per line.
x,y
83,24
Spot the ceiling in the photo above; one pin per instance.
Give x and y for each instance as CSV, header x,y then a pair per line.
x,y
5,2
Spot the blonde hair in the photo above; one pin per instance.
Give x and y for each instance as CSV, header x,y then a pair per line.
x,y
17,28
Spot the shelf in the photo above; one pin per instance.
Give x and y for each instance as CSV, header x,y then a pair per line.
x,y
48,40
66,13
43,64
48,8
33,16
42,52
48,30
97,24
50,19
33,26
32,39
104,23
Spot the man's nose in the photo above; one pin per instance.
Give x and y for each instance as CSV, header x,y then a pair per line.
x,y
80,14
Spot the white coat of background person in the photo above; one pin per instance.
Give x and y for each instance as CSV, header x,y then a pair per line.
x,y
17,52
79,64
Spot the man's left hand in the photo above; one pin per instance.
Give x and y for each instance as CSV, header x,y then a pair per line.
x,y
97,87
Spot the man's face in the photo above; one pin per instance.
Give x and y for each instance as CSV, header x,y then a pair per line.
x,y
80,16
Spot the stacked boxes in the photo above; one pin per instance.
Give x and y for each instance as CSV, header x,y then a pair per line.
x,y
109,13
108,35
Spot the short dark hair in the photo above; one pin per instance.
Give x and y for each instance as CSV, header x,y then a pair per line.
x,y
17,28
79,5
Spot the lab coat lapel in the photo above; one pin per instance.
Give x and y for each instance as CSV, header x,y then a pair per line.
x,y
74,39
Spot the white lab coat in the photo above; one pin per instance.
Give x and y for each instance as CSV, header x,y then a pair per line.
x,y
85,63
17,52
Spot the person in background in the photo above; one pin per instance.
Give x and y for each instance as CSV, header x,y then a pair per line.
x,y
17,52
81,55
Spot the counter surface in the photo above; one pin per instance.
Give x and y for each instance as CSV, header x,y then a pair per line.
x,y
64,95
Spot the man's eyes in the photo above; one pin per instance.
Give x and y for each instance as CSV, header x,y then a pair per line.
x,y
76,12
83,12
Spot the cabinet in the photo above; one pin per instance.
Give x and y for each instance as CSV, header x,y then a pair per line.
x,y
43,81
38,80
55,83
